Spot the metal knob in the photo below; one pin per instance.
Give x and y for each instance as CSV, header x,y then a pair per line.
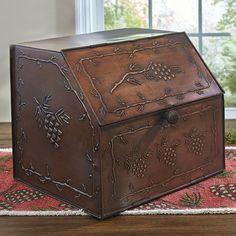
x,y
172,116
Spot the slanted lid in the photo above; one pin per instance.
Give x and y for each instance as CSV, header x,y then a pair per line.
x,y
123,80
100,37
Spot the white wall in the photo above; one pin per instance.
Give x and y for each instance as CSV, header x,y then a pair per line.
x,y
26,20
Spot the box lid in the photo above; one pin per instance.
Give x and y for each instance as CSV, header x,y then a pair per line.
x,y
127,79
90,39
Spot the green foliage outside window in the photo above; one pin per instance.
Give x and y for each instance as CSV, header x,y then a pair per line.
x,y
124,14
225,69
230,137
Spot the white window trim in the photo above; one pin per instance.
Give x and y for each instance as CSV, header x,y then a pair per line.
x,y
89,16
230,113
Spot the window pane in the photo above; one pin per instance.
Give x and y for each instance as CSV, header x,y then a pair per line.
x,y
194,41
220,55
213,14
181,15
125,13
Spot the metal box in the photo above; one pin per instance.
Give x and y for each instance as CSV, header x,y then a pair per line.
x,y
110,120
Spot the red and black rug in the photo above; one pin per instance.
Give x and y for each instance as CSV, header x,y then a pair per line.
x,y
216,195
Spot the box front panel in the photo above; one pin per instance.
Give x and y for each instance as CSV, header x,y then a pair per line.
x,y
149,157
55,139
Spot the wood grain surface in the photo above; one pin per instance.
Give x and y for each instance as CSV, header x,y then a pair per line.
x,y
121,225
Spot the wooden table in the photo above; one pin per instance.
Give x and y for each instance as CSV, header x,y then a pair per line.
x,y
121,225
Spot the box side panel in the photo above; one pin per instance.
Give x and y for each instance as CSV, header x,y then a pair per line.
x,y
56,139
150,157
13,102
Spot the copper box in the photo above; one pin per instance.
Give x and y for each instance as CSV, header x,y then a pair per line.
x,y
110,120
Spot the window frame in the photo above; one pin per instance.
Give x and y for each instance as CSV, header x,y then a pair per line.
x,y
89,16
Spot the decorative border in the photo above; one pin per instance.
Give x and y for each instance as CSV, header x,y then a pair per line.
x,y
143,101
23,138
203,211
111,144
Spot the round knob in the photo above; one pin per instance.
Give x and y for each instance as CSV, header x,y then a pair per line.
x,y
172,116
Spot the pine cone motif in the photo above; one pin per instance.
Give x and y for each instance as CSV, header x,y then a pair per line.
x,y
67,207
52,128
24,195
5,206
160,71
139,167
51,121
156,205
194,142
137,164
224,190
166,153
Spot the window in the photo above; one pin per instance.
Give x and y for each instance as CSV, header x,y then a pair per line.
x,y
211,25
89,16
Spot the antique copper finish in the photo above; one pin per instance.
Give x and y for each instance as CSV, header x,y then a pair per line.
x,y
109,120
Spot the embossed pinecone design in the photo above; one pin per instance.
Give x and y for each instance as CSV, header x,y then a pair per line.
x,y
24,195
196,145
224,190
138,166
51,121
159,71
53,129
195,142
166,153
